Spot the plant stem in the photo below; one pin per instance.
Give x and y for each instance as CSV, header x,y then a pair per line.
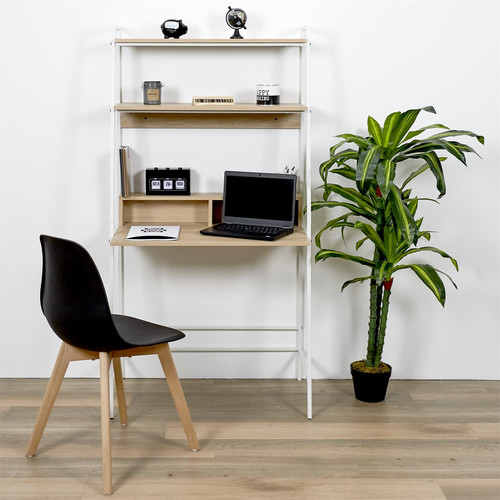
x,y
375,293
373,325
383,325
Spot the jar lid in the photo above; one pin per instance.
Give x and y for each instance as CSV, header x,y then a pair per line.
x,y
156,83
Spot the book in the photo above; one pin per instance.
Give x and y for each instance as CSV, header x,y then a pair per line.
x,y
124,152
154,233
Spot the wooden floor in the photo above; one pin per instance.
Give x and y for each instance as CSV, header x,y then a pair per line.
x,y
428,440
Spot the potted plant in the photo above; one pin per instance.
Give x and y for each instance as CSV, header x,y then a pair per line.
x,y
377,203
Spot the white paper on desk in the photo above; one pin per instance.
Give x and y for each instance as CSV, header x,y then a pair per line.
x,y
154,233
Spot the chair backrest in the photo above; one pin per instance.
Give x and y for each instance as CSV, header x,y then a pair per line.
x,y
73,297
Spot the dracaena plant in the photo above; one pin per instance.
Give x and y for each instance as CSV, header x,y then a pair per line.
x,y
376,202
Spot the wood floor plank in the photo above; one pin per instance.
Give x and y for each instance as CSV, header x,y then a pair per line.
x,y
67,489
322,430
229,489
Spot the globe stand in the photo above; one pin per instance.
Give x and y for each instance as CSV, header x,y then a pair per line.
x,y
237,35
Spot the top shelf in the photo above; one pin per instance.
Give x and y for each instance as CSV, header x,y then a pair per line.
x,y
210,42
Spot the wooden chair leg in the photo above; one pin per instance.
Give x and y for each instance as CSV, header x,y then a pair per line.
x,y
120,391
53,387
174,384
104,365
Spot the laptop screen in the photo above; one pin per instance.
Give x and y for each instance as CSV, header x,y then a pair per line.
x,y
259,198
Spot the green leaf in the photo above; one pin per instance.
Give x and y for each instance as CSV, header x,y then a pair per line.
x,y
361,142
464,147
404,220
455,133
382,272
424,234
360,243
389,124
371,234
326,254
335,147
316,205
429,249
415,148
438,144
355,280
351,194
433,162
365,170
449,277
412,207
339,222
436,168
406,120
345,171
414,133
414,174
374,130
386,170
325,167
390,243
429,276
338,160
346,154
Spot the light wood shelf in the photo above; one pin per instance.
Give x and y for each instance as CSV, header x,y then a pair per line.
x,y
192,213
234,116
207,42
178,107
190,237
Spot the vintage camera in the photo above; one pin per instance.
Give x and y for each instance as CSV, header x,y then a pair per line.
x,y
168,181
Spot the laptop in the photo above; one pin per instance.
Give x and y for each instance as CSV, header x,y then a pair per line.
x,y
256,205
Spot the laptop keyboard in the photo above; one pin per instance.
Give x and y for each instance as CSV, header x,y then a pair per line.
x,y
244,229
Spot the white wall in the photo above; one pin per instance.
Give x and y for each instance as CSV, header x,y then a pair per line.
x,y
367,57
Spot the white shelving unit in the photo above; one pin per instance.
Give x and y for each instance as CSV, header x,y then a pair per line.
x,y
197,211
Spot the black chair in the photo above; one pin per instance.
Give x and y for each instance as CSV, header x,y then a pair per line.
x,y
74,302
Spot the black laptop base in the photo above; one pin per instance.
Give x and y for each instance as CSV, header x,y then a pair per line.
x,y
262,233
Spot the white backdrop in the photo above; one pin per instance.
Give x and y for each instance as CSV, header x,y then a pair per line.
x,y
367,57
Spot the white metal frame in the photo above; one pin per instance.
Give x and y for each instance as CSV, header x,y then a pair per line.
x,y
303,274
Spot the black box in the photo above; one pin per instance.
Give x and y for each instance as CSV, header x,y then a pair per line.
x,y
168,181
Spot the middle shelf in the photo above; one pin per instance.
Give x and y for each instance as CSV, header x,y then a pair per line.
x,y
193,213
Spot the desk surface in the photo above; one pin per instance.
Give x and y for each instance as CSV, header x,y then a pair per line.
x,y
190,237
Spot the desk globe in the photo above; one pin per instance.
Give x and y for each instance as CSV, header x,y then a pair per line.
x,y
236,19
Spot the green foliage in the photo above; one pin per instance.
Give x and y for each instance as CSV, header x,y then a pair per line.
x,y
382,212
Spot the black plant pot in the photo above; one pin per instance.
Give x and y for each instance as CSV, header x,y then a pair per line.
x,y
370,387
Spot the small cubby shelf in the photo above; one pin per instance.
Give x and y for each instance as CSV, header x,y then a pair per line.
x,y
192,213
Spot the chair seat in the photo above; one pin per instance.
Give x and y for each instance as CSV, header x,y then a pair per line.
x,y
139,333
